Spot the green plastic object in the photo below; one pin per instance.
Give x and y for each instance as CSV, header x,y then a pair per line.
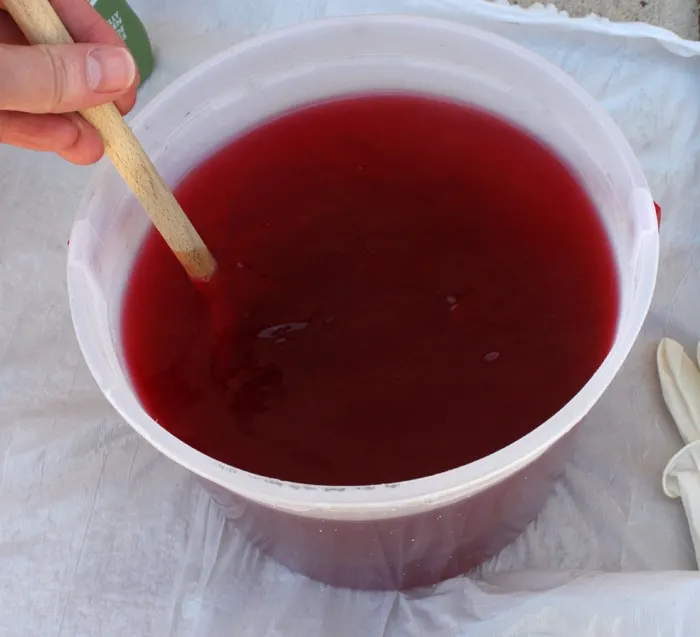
x,y
127,24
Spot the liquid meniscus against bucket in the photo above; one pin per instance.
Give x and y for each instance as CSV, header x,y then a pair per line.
x,y
411,284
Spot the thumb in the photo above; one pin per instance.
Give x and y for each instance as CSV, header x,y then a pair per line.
x,y
63,78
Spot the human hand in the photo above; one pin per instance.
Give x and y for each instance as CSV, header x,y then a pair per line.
x,y
41,87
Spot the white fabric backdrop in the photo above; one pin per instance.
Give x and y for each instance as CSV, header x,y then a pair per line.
x,y
101,535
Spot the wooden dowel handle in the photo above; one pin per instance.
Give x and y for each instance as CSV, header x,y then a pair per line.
x,y
41,25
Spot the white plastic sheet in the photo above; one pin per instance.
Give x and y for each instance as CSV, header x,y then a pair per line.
x,y
100,535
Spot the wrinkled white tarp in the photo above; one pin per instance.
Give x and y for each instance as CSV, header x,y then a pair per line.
x,y
100,535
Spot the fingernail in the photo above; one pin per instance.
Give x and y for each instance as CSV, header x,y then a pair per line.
x,y
110,69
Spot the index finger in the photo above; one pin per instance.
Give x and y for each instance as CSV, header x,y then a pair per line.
x,y
85,24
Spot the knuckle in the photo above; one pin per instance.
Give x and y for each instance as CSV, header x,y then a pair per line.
x,y
57,78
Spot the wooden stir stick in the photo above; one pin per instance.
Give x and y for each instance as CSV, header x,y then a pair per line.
x,y
41,25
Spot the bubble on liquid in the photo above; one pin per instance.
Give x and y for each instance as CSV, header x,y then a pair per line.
x,y
491,356
278,331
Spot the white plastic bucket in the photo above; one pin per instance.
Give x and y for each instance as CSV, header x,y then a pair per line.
x,y
261,77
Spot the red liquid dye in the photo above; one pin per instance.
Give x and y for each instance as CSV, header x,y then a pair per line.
x,y
409,284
